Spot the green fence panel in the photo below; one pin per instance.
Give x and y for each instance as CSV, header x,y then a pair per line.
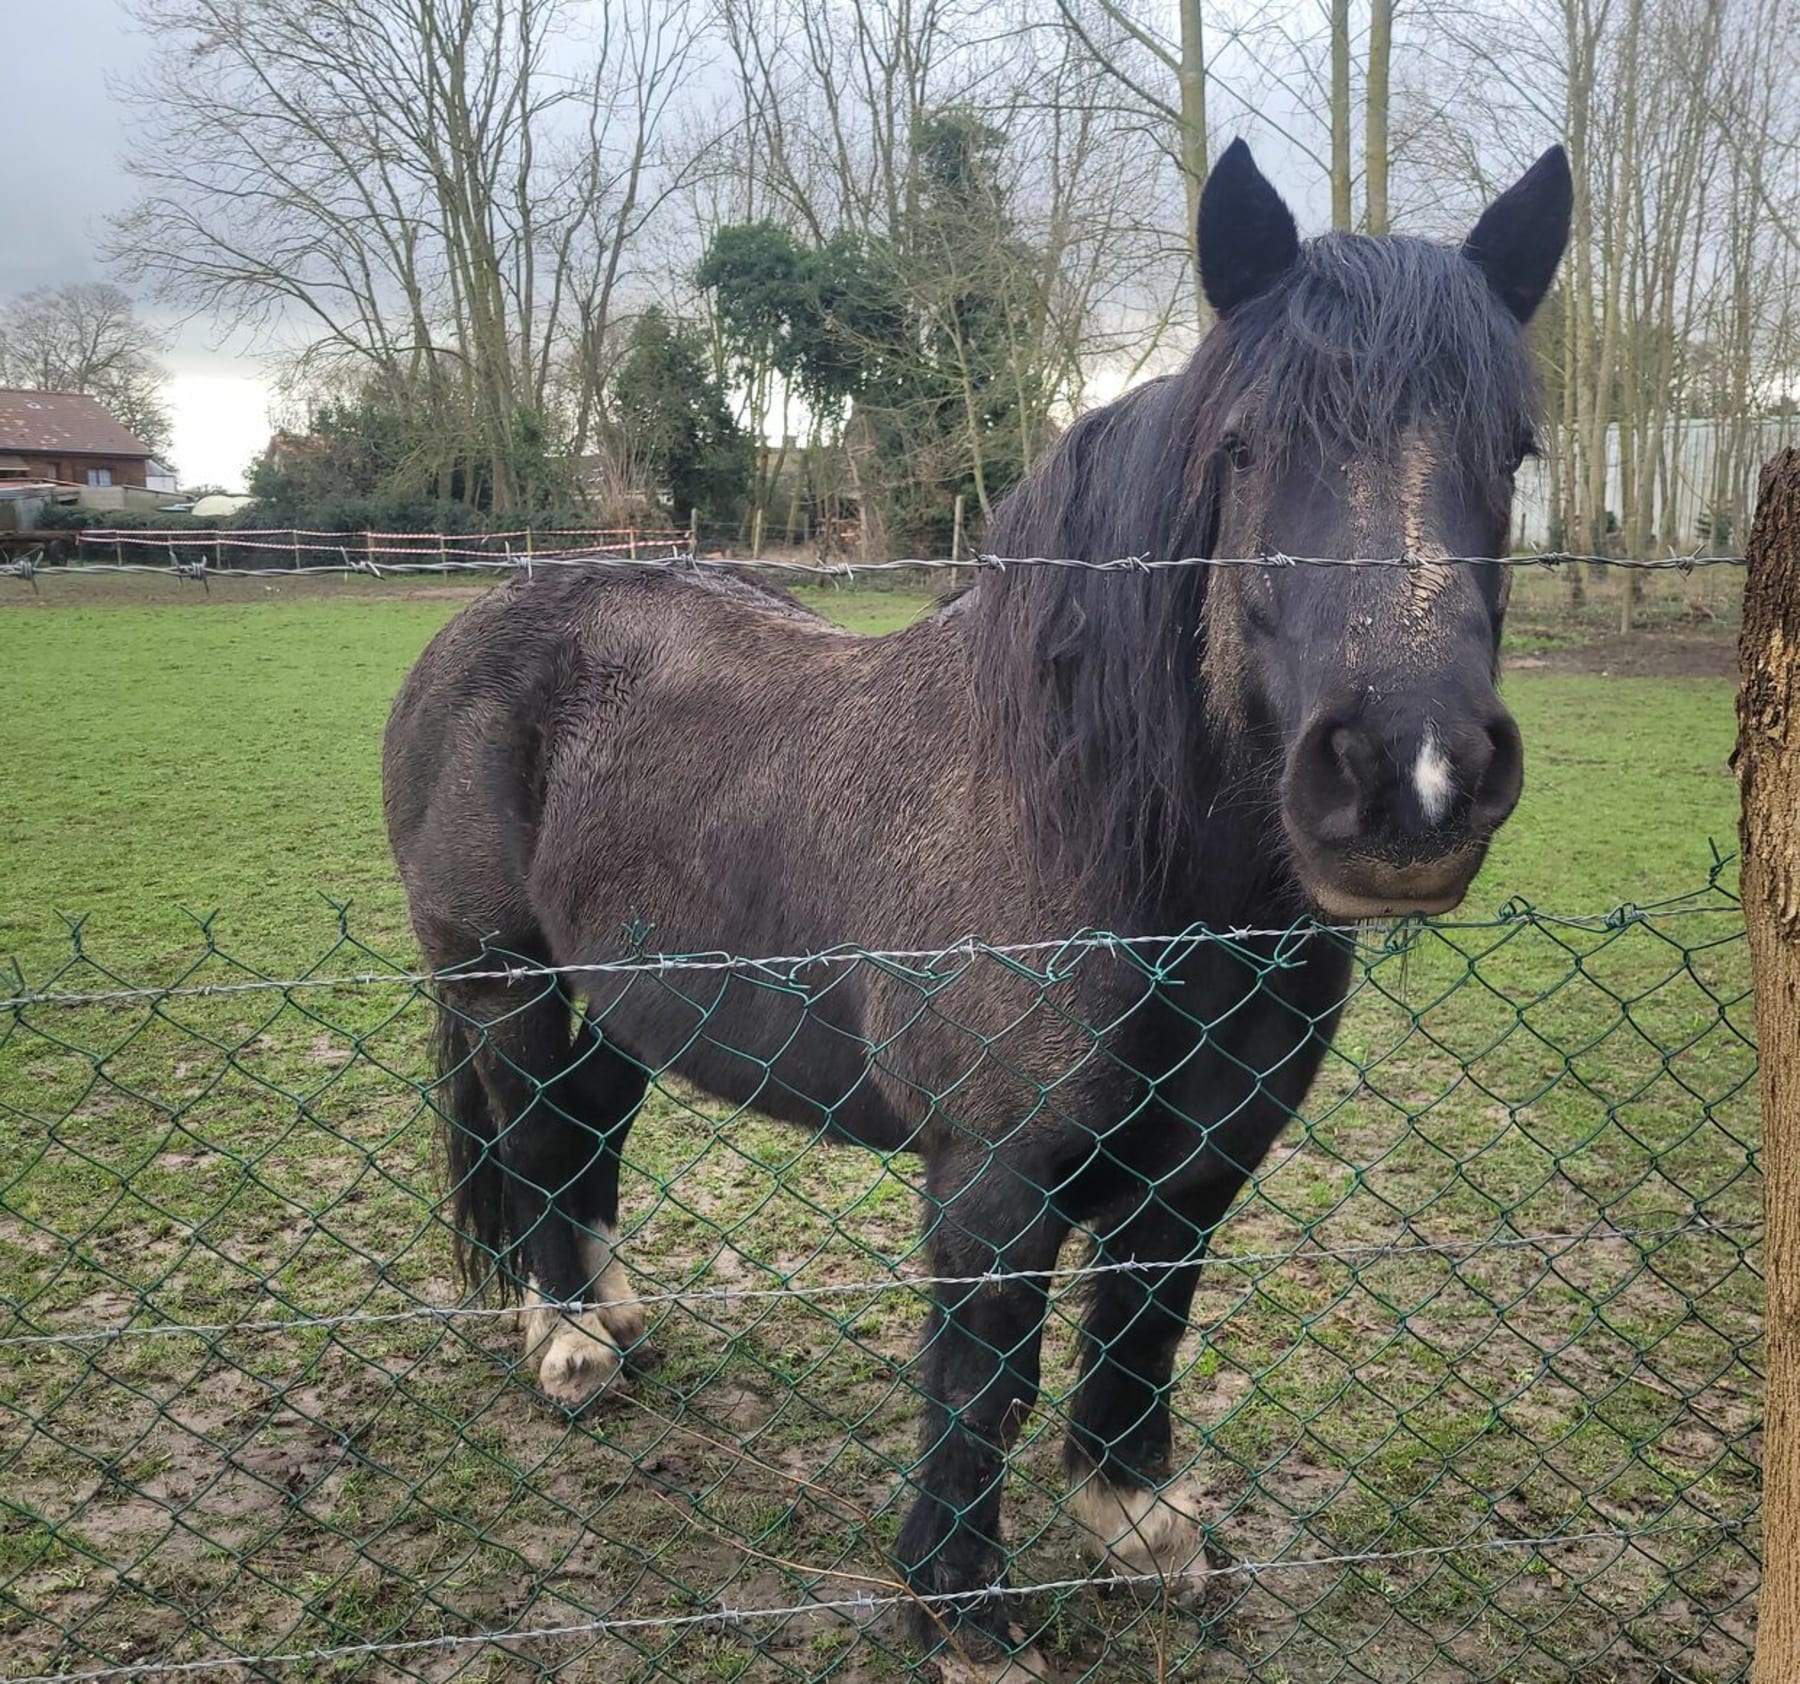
x,y
1471,1391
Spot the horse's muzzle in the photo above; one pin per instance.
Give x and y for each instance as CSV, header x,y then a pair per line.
x,y
1388,809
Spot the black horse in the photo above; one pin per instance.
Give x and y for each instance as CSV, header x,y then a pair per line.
x,y
1056,749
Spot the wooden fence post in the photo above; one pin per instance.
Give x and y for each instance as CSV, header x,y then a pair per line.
x,y
756,535
694,533
1768,770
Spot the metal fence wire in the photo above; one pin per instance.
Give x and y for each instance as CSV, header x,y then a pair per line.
x,y
253,555
1471,1392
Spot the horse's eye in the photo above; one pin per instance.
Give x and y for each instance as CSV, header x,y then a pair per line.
x,y
1236,449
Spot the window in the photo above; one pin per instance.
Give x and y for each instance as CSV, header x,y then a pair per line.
x,y
99,476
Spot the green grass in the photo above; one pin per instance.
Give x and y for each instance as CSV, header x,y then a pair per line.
x,y
213,1160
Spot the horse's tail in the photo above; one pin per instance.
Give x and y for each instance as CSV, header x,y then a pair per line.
x,y
480,1225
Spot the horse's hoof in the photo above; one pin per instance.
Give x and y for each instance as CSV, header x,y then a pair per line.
x,y
625,1321
581,1360
1137,1532
965,1664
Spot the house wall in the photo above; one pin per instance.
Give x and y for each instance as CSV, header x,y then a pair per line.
x,y
105,497
73,470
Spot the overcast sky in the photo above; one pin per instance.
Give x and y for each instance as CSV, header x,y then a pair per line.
x,y
65,174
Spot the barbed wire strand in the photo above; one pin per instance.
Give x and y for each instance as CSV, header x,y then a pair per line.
x,y
465,560
1595,1233
1618,917
726,1615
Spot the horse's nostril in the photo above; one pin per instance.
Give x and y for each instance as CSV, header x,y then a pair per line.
x,y
1334,773
1501,776
1356,757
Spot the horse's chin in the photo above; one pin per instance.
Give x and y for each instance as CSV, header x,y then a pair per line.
x,y
1353,890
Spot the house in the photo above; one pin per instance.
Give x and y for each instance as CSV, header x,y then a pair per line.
x,y
67,438
161,478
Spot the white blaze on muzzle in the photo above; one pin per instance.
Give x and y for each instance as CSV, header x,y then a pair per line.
x,y
1432,780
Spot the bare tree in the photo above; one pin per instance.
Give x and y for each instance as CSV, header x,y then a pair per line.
x,y
1376,112
1671,337
1141,60
88,338
438,196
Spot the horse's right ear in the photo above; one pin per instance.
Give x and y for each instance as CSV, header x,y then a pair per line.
x,y
1519,240
1246,236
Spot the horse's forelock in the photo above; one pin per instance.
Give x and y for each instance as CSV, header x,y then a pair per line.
x,y
1363,339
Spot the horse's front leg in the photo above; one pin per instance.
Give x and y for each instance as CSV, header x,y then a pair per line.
x,y
1210,1135
1119,1450
980,1379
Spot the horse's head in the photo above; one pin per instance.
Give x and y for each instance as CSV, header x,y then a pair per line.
x,y
1370,398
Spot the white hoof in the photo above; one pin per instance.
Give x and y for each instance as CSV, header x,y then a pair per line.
x,y
581,1359
1023,1666
1134,1531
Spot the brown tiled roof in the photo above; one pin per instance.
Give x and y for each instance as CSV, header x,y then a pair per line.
x,y
63,422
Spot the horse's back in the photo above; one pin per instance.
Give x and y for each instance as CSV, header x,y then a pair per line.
x,y
630,761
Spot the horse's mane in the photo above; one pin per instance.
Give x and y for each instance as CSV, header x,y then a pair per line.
x,y
1089,683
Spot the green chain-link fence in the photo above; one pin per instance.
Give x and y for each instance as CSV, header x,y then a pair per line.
x,y
1472,1390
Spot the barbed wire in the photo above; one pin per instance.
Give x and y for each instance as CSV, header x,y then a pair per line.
x,y
465,560
1514,913
866,1605
1595,1233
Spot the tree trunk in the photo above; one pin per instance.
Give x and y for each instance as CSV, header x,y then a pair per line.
x,y
1341,214
1375,130
1578,292
1192,79
1768,770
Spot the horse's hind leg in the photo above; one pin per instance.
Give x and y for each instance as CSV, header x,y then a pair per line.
x,y
560,1107
605,1089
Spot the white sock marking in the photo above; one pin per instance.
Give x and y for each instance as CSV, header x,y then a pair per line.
x,y
598,1247
1431,778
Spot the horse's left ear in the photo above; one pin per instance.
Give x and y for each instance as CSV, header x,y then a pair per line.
x,y
1519,240
1246,235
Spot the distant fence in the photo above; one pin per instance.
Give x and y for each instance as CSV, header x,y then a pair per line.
x,y
298,549
1705,476
1474,1392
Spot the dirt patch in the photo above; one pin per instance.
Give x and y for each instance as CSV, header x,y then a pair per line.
x,y
1651,655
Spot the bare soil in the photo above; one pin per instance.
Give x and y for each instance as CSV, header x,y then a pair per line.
x,y
1654,654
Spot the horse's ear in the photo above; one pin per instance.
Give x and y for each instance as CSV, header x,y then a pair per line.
x,y
1246,236
1519,240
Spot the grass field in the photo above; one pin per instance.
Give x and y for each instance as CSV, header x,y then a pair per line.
x,y
1375,1375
